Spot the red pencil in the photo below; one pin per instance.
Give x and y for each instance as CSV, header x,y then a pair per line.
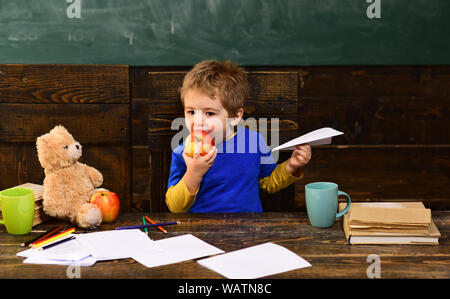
x,y
48,234
41,241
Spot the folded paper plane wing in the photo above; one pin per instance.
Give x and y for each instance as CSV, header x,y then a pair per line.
x,y
317,137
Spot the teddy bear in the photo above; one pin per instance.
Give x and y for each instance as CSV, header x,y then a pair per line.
x,y
68,184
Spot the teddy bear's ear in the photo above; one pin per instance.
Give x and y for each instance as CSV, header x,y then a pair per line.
x,y
40,140
59,128
41,146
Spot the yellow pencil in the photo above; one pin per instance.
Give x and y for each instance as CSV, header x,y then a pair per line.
x,y
56,237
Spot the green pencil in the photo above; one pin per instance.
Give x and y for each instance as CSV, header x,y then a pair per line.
x,y
143,222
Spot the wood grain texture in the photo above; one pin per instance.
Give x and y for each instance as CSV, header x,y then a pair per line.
x,y
140,179
379,120
159,163
375,81
94,123
64,84
19,164
394,120
271,93
377,105
372,173
113,161
325,249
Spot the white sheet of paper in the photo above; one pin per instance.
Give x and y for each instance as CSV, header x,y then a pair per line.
x,y
116,244
176,249
255,262
88,261
31,251
69,251
317,137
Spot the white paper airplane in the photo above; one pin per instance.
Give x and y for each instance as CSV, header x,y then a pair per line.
x,y
317,137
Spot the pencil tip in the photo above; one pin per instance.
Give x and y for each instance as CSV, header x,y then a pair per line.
x,y
178,222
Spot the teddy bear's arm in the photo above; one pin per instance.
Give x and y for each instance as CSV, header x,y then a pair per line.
x,y
94,175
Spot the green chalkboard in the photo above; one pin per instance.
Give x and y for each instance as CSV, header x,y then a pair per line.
x,y
250,32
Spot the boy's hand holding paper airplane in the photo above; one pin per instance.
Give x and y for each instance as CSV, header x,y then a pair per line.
x,y
299,158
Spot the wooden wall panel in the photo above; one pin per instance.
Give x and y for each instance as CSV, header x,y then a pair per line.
x,y
113,161
375,81
91,101
378,173
93,123
395,120
271,93
379,120
19,164
140,179
85,84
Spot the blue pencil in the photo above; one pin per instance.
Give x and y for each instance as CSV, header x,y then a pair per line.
x,y
148,225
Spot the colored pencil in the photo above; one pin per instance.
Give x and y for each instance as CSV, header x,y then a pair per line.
x,y
56,243
148,225
53,238
159,227
42,236
143,222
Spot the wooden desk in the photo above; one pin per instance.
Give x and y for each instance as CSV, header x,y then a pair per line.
x,y
325,249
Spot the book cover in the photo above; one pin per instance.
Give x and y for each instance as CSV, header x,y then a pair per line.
x,y
429,237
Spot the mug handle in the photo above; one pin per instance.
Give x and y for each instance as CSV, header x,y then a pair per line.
x,y
347,207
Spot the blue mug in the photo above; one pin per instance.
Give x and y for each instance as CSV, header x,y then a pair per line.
x,y
322,202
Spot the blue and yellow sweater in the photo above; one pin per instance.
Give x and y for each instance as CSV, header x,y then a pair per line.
x,y
242,166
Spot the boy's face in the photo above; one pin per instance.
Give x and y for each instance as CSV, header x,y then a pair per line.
x,y
208,115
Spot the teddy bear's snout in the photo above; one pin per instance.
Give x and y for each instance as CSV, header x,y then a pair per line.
x,y
74,151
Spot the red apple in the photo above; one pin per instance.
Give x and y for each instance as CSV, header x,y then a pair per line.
x,y
198,136
108,203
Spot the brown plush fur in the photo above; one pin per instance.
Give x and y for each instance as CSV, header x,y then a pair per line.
x,y
68,184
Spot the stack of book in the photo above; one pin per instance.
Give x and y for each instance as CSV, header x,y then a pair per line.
x,y
389,223
39,214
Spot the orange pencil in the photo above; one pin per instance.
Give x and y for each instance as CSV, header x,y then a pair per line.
x,y
42,236
159,227
54,237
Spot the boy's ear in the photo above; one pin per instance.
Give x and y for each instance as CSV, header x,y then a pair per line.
x,y
237,117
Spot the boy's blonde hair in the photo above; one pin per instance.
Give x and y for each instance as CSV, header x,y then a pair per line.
x,y
224,80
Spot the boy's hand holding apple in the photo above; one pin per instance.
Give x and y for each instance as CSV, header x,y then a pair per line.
x,y
299,158
197,164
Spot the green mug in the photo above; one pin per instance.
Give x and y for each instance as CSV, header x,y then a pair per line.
x,y
17,205
322,203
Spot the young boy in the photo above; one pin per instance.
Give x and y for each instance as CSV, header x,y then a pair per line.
x,y
228,178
